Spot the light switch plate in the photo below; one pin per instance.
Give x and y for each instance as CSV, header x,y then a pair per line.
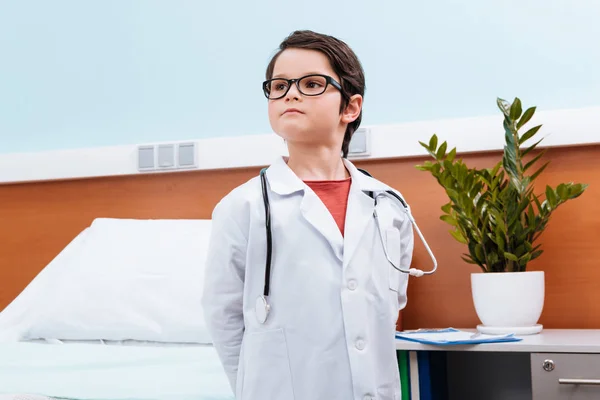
x,y
360,145
166,156
186,155
145,158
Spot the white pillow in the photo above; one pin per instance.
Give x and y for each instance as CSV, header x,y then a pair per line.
x,y
131,280
29,304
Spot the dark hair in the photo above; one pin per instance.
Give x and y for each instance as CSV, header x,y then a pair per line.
x,y
344,62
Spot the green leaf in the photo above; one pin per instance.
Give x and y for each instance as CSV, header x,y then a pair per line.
x,y
524,260
448,165
536,254
496,168
427,166
529,134
508,134
499,221
531,148
453,194
510,151
563,192
516,109
441,153
508,162
449,219
447,208
539,171
468,260
526,117
551,197
479,252
510,256
433,143
520,250
503,106
493,258
531,216
534,160
451,155
475,189
487,182
458,236
576,190
500,240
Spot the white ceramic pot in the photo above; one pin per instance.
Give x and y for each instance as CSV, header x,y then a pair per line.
x,y
508,302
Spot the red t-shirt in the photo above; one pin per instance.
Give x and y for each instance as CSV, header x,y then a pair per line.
x,y
334,194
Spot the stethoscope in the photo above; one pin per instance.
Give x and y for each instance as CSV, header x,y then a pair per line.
x,y
263,307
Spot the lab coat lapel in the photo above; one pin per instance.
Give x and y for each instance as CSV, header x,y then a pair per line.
x,y
317,214
358,215
360,211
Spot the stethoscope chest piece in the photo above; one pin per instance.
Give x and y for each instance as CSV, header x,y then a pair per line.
x,y
262,309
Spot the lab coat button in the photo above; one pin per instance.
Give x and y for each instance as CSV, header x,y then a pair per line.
x,y
360,344
352,284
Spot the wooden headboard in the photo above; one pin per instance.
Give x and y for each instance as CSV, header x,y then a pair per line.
x,y
37,220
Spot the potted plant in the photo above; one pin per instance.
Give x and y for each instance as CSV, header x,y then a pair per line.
x,y
498,215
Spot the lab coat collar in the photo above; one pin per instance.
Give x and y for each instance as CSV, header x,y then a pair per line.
x,y
364,182
283,181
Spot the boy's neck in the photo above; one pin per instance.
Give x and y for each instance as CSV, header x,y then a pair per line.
x,y
322,164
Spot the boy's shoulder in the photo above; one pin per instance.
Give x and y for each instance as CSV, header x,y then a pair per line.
x,y
240,197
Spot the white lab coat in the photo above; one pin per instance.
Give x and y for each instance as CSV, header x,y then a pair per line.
x,y
334,300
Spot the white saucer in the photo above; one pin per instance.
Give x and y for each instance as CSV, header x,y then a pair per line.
x,y
504,330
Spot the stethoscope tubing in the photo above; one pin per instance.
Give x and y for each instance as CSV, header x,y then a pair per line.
x,y
262,303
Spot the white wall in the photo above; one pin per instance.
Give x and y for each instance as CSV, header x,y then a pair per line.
x,y
559,128
86,74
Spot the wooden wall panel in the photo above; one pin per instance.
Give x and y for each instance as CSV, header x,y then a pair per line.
x,y
38,219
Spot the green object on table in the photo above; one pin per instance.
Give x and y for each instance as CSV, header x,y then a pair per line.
x,y
404,374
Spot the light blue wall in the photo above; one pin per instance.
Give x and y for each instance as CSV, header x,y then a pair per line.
x,y
92,73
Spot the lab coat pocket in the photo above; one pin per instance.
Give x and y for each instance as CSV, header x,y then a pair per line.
x,y
267,372
393,244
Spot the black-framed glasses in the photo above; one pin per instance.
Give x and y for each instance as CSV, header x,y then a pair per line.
x,y
309,85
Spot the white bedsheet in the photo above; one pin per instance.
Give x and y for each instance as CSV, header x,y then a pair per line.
x,y
93,371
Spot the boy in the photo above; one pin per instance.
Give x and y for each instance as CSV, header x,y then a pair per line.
x,y
316,320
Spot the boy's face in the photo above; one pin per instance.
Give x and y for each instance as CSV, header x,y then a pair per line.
x,y
317,120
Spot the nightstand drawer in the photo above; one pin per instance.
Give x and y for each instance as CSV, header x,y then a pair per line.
x,y
565,376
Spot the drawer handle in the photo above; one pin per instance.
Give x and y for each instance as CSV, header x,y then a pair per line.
x,y
567,381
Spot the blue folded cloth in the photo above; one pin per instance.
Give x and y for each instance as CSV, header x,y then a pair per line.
x,y
451,336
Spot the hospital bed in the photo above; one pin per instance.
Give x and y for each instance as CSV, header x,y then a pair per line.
x,y
115,315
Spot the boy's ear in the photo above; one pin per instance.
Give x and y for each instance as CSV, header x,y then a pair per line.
x,y
352,110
